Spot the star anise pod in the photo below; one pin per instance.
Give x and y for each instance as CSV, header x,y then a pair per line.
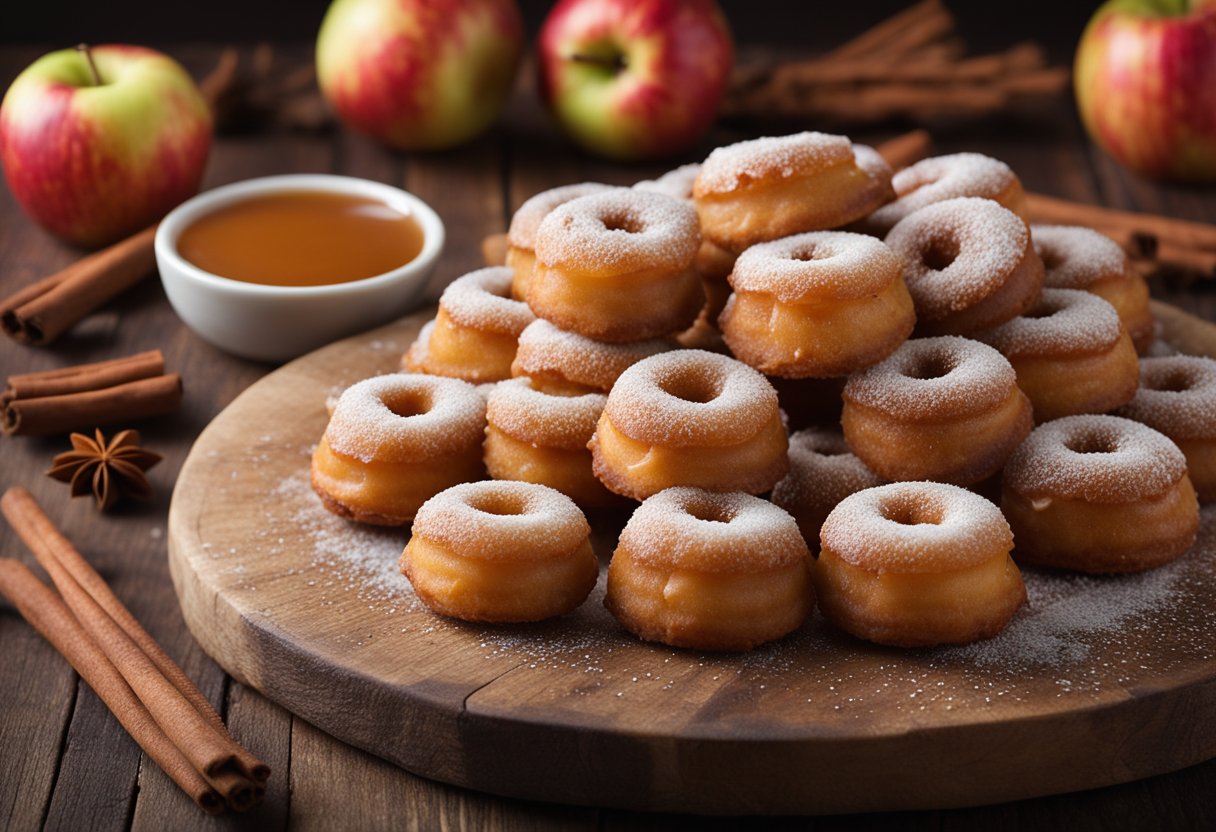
x,y
109,470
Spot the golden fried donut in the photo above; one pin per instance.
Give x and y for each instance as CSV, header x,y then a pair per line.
x,y
1099,494
690,417
395,440
945,408
709,571
475,331
773,187
1071,353
915,564
1081,258
968,263
821,304
500,552
1177,397
618,266
541,437
521,233
566,362
939,178
823,471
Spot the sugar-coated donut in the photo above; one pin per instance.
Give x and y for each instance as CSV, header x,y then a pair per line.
x,y
823,471
767,188
915,564
690,417
939,178
968,263
821,304
475,331
709,571
1071,353
541,437
945,408
394,441
566,362
521,233
1177,397
1099,494
500,552
618,266
1081,258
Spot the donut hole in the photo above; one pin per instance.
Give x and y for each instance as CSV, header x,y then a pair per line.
x,y
940,253
929,367
691,385
622,221
807,253
1052,259
1175,381
1092,443
908,512
1042,310
407,403
709,511
500,504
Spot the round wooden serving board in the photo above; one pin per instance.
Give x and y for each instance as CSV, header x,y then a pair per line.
x,y
1098,681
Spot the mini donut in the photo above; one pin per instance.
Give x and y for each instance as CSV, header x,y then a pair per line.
x,y
1081,258
939,178
821,304
541,437
822,473
500,552
566,362
764,189
1071,353
917,564
475,331
521,233
1177,397
394,441
968,263
676,183
1099,494
946,409
690,417
709,571
618,266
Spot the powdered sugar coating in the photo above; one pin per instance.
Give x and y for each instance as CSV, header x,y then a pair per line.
x,y
519,410
546,350
823,471
740,165
416,355
987,241
704,531
916,527
620,230
448,415
1061,322
675,183
939,178
871,161
653,402
1075,257
820,264
482,300
963,376
521,233
1098,459
503,520
1177,396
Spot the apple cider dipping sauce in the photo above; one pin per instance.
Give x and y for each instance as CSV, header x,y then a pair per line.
x,y
301,238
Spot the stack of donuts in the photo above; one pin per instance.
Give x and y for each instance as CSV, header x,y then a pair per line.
x,y
966,394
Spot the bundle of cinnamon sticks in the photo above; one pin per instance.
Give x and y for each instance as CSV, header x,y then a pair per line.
x,y
147,691
908,66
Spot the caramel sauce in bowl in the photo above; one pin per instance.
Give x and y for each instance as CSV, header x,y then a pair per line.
x,y
275,267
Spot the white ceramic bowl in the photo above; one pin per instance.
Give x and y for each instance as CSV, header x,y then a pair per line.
x,y
274,323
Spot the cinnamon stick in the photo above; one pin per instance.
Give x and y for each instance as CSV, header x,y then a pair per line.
x,y
43,311
47,614
890,35
49,415
1185,233
906,149
83,377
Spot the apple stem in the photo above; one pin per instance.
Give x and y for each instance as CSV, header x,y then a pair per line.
x,y
616,63
83,49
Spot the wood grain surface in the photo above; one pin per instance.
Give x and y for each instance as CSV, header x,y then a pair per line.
x,y
309,609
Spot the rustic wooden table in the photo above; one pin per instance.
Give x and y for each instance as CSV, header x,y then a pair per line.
x,y
65,763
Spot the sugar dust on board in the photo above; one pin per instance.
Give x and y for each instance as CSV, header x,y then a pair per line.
x,y
302,238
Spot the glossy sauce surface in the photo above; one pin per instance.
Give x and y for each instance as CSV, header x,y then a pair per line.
x,y
301,238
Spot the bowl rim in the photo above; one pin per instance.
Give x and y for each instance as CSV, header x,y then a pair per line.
x,y
171,227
